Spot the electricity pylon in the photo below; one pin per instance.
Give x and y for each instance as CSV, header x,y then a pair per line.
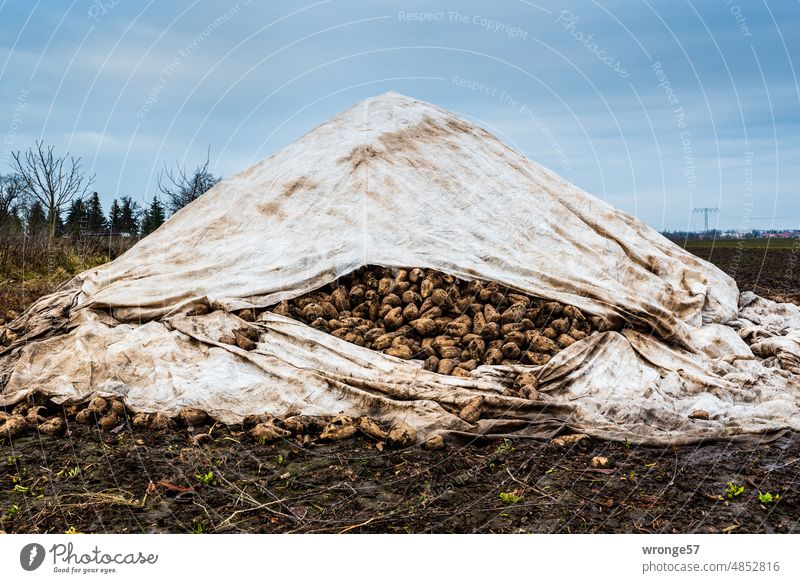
x,y
706,210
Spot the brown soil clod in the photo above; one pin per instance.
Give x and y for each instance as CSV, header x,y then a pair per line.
x,y
199,439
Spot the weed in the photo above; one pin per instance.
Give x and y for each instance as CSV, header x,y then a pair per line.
x,y
198,527
505,448
510,497
71,530
10,512
733,491
205,478
69,472
768,498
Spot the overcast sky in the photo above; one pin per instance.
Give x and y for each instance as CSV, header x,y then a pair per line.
x,y
655,106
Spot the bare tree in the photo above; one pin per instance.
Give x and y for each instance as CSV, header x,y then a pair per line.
x,y
11,191
52,180
180,187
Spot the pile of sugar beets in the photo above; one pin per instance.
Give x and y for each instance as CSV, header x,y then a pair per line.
x,y
38,413
452,324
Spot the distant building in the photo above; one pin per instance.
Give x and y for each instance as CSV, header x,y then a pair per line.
x,y
734,234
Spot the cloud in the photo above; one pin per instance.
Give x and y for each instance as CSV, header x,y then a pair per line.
x,y
239,87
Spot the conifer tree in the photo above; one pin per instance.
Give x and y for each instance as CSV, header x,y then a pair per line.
x,y
95,218
153,217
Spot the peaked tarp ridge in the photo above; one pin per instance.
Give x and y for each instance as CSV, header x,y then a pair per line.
x,y
398,182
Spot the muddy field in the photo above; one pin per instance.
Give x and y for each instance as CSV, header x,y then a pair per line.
x,y
145,480
135,481
769,267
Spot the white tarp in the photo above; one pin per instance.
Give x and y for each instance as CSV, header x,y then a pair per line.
x,y
397,182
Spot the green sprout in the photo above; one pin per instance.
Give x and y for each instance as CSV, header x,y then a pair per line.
x,y
510,497
11,511
505,448
69,472
768,498
733,491
205,478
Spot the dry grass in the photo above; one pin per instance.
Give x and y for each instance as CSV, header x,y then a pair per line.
x,y
33,266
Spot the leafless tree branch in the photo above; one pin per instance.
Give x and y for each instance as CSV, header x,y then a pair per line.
x,y
11,193
53,180
180,187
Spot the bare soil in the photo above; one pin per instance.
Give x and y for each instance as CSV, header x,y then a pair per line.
x,y
768,267
143,481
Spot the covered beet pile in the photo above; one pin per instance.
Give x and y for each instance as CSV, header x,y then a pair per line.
x,y
453,325
403,265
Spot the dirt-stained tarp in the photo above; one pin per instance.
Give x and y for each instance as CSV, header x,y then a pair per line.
x,y
397,182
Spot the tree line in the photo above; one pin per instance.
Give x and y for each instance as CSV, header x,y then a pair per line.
x,y
49,194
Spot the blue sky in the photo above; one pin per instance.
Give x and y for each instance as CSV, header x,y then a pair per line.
x,y
657,107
